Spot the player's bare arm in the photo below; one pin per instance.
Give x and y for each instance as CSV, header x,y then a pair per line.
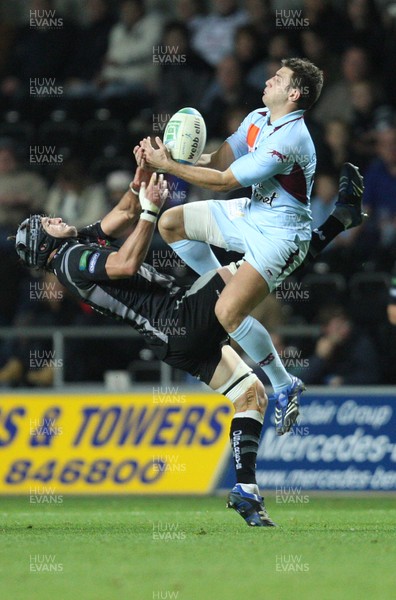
x,y
210,178
220,159
127,211
129,258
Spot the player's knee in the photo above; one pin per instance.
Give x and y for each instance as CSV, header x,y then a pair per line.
x,y
262,397
171,225
254,398
228,316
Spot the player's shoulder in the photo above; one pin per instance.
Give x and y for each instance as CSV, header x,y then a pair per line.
x,y
72,254
259,115
77,266
292,126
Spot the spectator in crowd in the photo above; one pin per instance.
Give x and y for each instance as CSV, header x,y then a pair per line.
x,y
191,14
389,59
363,27
323,16
6,39
313,46
344,355
368,111
74,198
391,308
184,76
29,361
389,335
247,51
335,102
21,192
380,189
338,139
131,63
117,183
226,91
32,361
324,197
89,49
233,117
279,47
213,38
39,52
262,18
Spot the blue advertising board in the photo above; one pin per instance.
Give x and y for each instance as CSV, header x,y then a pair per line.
x,y
343,441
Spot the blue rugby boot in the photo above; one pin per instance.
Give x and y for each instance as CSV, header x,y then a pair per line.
x,y
249,506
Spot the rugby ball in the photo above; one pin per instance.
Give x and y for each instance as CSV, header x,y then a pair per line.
x,y
185,136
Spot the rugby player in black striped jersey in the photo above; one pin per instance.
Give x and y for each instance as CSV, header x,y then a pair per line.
x,y
115,281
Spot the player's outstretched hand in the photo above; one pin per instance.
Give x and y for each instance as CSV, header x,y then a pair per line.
x,y
155,158
138,153
153,197
141,176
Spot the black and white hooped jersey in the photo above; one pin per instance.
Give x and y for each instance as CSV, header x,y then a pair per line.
x,y
142,299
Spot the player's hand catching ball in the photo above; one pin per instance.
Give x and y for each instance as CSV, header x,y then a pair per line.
x,y
153,197
138,153
155,158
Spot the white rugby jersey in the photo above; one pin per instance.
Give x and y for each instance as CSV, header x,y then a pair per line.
x,y
278,160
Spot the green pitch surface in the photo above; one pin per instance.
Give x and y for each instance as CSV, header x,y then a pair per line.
x,y
128,548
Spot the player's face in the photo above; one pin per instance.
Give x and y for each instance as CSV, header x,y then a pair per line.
x,y
57,228
277,88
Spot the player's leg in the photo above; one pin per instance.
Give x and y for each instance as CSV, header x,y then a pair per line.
x,y
191,246
347,212
235,380
240,296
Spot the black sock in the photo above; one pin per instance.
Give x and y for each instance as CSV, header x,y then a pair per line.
x,y
245,436
321,237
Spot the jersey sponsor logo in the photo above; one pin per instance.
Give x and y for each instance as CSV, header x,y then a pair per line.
x,y
92,262
82,265
281,157
265,199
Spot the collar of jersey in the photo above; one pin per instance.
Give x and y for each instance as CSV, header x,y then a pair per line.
x,y
291,116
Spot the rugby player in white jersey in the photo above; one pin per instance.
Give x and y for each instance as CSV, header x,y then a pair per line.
x,y
273,152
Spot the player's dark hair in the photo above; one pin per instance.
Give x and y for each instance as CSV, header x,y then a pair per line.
x,y
307,78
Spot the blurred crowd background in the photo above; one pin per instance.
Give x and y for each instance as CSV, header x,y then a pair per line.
x,y
82,81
